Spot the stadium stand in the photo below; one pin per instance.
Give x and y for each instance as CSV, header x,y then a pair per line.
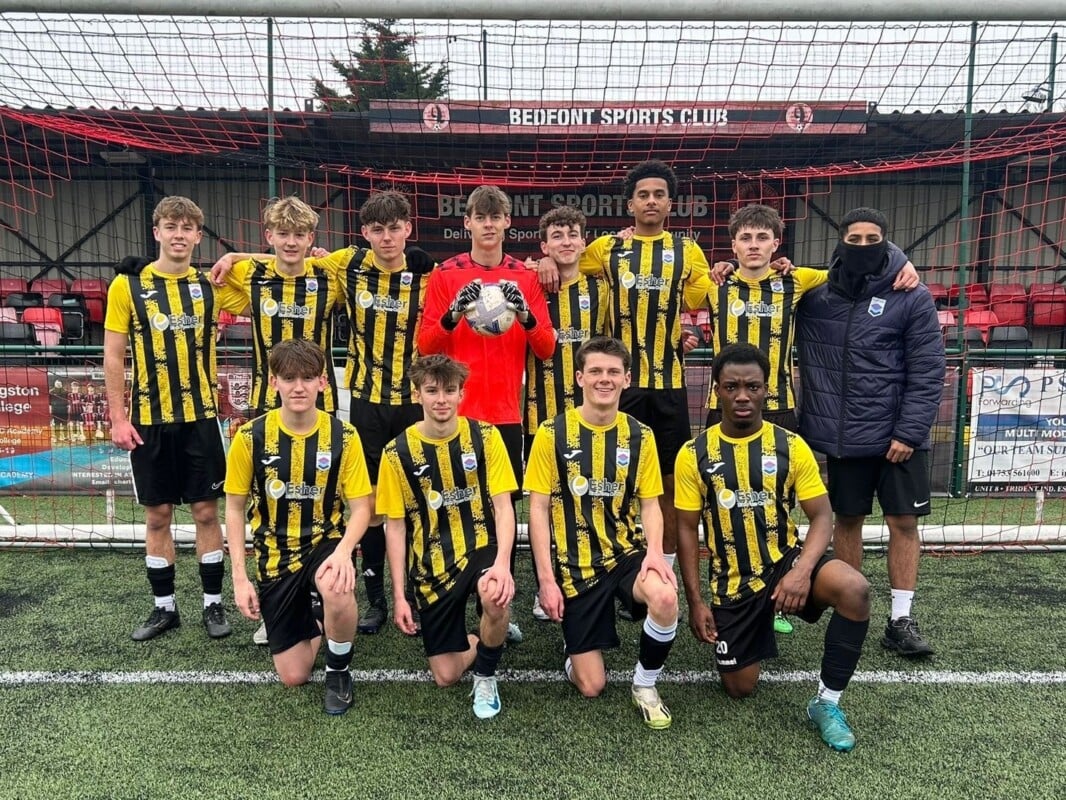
x,y
47,324
1010,303
980,318
20,301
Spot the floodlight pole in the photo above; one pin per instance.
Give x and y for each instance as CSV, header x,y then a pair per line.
x,y
272,178
961,404
1051,73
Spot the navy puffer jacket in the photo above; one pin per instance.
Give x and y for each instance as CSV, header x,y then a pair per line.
x,y
871,367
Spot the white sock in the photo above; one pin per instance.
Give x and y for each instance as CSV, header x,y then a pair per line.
x,y
669,558
901,603
166,602
568,668
827,695
210,599
645,677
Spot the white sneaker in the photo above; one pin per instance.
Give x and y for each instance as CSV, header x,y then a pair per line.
x,y
538,611
486,697
655,713
260,635
514,633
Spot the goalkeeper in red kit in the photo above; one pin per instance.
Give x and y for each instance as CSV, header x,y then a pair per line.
x,y
493,392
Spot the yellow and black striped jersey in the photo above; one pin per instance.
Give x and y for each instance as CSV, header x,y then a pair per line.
x,y
651,277
745,490
578,311
384,309
595,477
288,307
299,485
762,312
170,322
443,490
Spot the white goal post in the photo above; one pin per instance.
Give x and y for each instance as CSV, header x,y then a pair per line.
x,y
696,10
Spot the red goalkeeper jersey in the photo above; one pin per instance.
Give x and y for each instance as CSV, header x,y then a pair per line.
x,y
494,389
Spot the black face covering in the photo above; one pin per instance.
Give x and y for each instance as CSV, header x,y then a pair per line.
x,y
858,262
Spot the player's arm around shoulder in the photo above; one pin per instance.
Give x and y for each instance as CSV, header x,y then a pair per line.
x,y
698,285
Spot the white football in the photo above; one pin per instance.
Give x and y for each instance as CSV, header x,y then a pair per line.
x,y
490,315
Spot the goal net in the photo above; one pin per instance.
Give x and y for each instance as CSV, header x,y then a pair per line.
x,y
955,131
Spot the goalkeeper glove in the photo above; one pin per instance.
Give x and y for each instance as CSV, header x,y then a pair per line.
x,y
464,299
517,302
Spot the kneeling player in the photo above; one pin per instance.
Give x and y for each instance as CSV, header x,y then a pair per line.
x,y
299,465
591,470
743,477
444,486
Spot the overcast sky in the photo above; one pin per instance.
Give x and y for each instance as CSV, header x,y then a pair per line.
x,y
214,63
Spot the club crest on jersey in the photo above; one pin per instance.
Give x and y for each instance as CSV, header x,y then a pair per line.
x,y
621,456
668,257
312,284
406,278
323,458
469,461
769,466
877,306
777,286
584,302
196,292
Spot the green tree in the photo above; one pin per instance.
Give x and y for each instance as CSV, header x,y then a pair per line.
x,y
382,69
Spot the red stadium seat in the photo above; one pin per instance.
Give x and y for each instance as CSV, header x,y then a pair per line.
x,y
47,286
948,319
94,290
939,292
47,324
1010,303
1048,304
980,318
976,295
9,285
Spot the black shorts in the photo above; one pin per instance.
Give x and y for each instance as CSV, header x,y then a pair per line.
x,y
285,602
514,442
746,629
444,622
180,462
377,425
588,619
902,489
785,418
665,411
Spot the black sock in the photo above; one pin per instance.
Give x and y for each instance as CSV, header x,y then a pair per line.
x,y
338,661
211,576
652,653
843,646
373,546
488,658
162,580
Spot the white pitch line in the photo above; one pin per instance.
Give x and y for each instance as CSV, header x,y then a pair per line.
x,y
193,677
